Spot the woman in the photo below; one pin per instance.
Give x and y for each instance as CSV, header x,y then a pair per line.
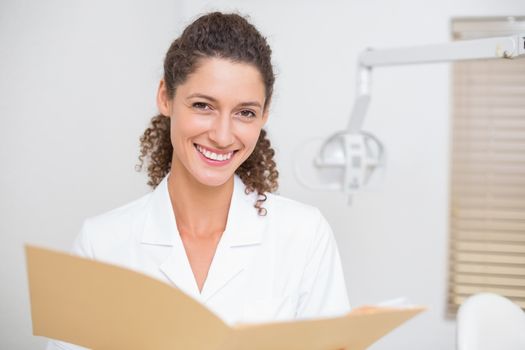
x,y
211,227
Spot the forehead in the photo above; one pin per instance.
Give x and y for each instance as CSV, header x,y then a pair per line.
x,y
225,79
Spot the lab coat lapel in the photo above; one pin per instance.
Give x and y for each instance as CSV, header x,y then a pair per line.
x,y
244,230
161,229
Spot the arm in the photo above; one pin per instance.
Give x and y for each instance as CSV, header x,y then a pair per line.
x,y
323,290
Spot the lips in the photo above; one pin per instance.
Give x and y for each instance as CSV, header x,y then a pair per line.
x,y
214,155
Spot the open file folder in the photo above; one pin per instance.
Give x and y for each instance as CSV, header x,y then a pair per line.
x,y
105,307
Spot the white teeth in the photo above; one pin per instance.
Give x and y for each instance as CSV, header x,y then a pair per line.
x,y
214,156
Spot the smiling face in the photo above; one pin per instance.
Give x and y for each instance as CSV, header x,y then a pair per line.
x,y
216,117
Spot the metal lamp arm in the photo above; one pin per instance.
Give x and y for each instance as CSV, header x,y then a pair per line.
x,y
496,47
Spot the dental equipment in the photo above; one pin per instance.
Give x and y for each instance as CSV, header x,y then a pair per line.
x,y
356,155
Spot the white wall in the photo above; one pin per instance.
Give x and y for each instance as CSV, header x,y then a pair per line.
x,y
77,88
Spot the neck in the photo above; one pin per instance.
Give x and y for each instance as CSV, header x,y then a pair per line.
x,y
200,210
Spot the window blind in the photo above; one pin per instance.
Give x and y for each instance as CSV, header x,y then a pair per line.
x,y
487,192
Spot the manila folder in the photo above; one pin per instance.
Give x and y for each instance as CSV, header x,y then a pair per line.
x,y
105,307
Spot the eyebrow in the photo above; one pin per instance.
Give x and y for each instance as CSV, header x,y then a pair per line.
x,y
243,104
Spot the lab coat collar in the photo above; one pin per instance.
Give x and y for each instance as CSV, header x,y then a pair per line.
x,y
161,226
244,230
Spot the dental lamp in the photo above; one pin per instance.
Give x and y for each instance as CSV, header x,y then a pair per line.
x,y
353,156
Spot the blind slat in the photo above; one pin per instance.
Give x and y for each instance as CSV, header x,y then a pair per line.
x,y
491,281
488,214
478,189
493,225
485,258
489,247
492,236
483,101
464,112
467,289
489,269
458,299
497,169
489,90
487,202
487,178
495,158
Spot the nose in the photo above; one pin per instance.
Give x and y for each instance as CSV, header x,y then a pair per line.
x,y
221,132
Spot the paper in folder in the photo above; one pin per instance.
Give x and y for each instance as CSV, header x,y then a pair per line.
x,y
105,307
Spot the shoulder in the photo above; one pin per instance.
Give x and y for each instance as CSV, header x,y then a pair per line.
x,y
121,216
293,221
112,228
286,210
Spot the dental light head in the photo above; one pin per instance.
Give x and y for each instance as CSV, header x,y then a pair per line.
x,y
357,154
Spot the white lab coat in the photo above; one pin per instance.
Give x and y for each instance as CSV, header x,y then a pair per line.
x,y
284,265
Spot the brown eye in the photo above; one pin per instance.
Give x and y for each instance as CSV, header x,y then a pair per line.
x,y
246,113
200,105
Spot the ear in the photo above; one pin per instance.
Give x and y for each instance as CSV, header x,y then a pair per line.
x,y
266,111
163,99
265,115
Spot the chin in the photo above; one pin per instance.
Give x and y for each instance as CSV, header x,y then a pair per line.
x,y
213,180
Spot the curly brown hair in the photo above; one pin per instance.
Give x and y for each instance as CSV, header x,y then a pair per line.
x,y
227,36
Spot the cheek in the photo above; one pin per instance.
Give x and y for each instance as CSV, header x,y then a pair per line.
x,y
178,137
250,136
184,128
174,137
